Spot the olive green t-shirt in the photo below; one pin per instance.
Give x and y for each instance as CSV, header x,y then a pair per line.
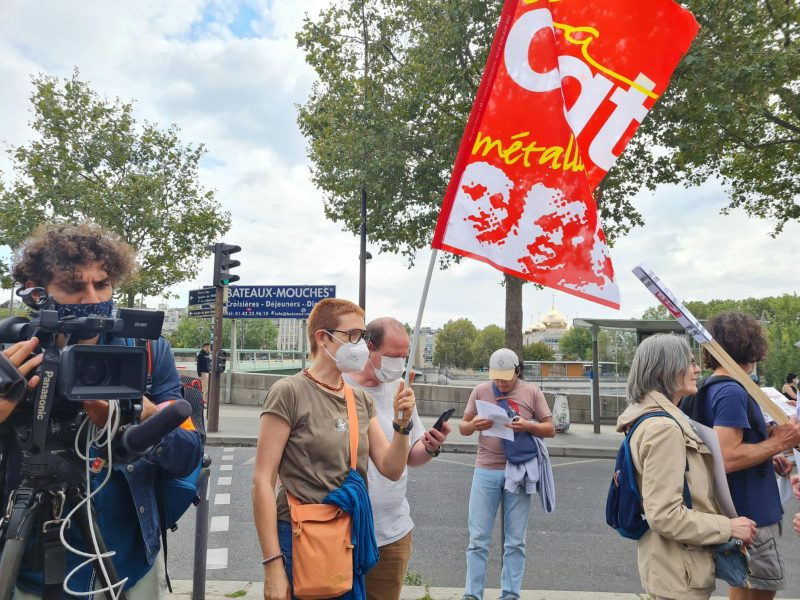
x,y
316,458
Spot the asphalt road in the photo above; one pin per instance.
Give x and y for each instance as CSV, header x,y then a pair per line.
x,y
570,549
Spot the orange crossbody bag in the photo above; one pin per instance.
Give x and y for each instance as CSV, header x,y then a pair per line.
x,y
322,550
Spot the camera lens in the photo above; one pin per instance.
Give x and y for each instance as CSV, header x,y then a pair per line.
x,y
93,372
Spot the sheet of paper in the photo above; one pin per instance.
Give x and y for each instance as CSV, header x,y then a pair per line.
x,y
499,418
781,401
721,490
785,488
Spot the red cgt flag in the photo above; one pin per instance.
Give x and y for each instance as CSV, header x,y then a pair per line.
x,y
566,85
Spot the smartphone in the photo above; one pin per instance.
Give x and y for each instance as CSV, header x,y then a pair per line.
x,y
445,416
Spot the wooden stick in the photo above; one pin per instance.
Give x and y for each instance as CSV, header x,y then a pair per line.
x,y
676,308
735,371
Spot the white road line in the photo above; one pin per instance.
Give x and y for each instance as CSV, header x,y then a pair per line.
x,y
222,481
227,457
566,464
217,558
226,467
219,524
227,449
250,461
578,462
222,499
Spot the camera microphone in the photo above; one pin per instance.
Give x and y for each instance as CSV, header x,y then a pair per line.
x,y
137,439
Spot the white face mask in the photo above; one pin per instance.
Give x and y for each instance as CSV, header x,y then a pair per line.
x,y
391,368
350,358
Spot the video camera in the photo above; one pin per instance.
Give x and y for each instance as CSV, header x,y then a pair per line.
x,y
72,372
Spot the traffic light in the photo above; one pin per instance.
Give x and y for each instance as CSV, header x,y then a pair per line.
x,y
221,358
223,263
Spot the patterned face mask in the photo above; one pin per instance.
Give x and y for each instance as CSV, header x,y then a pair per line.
x,y
99,309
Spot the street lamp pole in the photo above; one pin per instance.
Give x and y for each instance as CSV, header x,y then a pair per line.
x,y
362,256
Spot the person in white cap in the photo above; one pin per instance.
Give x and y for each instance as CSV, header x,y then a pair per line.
x,y
488,480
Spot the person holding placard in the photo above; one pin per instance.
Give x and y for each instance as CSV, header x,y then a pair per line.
x,y
751,452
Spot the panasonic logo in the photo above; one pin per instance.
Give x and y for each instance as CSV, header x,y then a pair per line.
x,y
139,324
41,406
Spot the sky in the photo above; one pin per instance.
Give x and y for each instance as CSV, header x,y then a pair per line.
x,y
229,75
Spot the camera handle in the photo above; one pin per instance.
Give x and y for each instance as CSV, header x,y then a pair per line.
x,y
24,506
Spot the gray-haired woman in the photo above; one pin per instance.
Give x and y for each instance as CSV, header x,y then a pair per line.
x,y
673,562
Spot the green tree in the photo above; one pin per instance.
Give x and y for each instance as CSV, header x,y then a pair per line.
x,y
193,332
454,344
397,80
781,319
732,112
576,344
258,333
538,351
90,160
488,339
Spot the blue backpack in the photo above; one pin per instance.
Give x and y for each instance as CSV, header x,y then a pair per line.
x,y
624,511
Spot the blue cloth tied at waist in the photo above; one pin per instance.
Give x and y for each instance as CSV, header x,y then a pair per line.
x,y
352,497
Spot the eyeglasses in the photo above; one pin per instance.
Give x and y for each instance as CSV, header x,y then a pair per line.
x,y
354,335
694,362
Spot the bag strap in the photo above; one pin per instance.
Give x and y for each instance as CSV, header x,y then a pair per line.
x,y
751,416
352,423
687,497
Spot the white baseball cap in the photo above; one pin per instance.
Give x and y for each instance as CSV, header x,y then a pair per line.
x,y
503,364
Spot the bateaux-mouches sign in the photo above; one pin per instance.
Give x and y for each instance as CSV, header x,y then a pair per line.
x,y
275,301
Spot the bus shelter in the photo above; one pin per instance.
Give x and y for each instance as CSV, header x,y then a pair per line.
x,y
643,329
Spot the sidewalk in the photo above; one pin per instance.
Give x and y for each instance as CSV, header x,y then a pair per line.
x,y
238,426
253,590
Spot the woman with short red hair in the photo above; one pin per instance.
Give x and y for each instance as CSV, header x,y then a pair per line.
x,y
304,439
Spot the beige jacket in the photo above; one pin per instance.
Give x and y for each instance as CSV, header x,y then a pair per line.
x,y
672,560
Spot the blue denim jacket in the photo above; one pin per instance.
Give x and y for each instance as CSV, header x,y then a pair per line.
x,y
131,490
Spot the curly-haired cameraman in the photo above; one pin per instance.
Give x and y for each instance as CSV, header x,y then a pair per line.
x,y
79,265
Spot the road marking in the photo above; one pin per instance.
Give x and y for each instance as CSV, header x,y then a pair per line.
x,y
227,457
222,481
578,462
250,461
227,449
217,558
454,462
222,499
566,464
226,467
219,524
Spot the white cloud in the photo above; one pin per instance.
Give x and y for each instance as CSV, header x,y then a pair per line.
x,y
183,63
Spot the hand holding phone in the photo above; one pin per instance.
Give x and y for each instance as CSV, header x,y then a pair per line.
x,y
445,416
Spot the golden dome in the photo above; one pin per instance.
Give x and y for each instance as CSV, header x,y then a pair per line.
x,y
554,320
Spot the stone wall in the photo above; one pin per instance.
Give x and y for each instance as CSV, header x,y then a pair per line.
x,y
250,389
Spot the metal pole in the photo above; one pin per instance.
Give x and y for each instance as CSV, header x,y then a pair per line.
x,y
234,364
214,379
362,257
595,380
201,534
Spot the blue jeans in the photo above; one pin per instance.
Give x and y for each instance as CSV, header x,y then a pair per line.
x,y
285,542
484,498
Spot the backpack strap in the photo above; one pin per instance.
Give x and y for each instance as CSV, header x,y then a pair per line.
x,y
687,497
352,423
751,414
159,489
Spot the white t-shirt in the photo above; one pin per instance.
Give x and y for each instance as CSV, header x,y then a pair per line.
x,y
390,509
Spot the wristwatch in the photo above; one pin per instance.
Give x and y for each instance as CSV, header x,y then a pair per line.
x,y
404,430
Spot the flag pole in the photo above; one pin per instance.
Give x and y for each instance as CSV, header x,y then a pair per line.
x,y
415,337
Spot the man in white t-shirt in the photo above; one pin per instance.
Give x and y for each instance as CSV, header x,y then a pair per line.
x,y
388,345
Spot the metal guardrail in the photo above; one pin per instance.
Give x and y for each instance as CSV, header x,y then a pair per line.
x,y
247,359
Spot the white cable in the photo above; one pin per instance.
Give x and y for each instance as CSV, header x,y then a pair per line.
x,y
95,437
